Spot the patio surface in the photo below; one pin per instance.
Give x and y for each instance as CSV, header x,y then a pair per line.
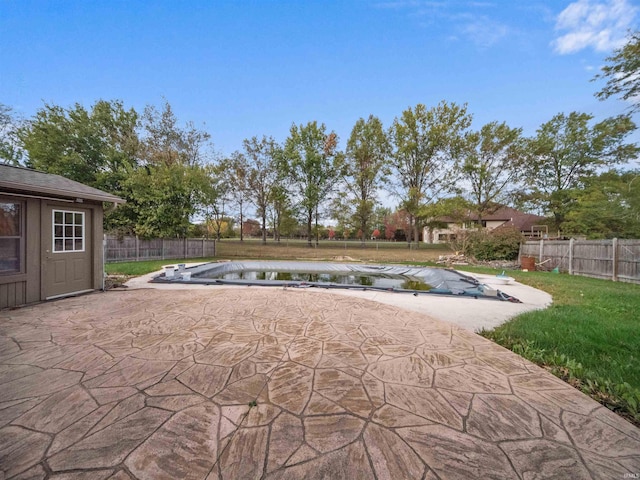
x,y
270,383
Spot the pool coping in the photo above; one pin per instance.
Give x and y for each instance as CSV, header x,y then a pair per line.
x,y
466,312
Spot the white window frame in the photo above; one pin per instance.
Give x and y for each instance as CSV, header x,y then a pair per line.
x,y
64,238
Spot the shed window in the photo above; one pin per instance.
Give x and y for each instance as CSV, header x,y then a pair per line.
x,y
11,237
68,231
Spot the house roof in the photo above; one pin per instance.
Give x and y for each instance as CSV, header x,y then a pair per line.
x,y
33,182
510,216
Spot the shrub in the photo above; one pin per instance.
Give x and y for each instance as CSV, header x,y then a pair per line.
x,y
500,244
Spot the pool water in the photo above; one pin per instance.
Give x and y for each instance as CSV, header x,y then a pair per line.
x,y
384,281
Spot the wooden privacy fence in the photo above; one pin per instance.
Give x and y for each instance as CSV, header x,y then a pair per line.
x,y
134,249
615,259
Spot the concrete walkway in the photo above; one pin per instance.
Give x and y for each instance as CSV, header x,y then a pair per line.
x,y
470,313
231,383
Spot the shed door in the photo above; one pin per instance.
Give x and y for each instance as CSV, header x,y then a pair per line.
x,y
67,251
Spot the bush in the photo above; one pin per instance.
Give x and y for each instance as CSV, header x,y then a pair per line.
x,y
500,244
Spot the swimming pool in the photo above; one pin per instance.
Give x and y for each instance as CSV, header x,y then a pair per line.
x,y
389,278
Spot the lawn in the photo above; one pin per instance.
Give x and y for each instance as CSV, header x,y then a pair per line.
x,y
135,269
331,250
380,252
590,336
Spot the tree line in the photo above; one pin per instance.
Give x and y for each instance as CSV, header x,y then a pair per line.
x,y
574,169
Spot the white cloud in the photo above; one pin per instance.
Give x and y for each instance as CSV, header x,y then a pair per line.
x,y
599,24
465,18
485,32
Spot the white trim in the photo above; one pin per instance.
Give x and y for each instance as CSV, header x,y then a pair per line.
x,y
70,294
63,225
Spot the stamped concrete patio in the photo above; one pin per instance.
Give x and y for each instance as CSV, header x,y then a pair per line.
x,y
265,383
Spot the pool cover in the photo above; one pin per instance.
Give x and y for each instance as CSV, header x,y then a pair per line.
x,y
442,281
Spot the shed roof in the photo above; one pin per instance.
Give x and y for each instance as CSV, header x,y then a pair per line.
x,y
33,182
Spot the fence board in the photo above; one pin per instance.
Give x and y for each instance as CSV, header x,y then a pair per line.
x,y
590,258
132,249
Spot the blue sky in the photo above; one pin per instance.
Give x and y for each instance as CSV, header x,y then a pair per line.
x,y
244,68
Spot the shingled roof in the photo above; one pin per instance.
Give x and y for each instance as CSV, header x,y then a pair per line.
x,y
23,180
512,217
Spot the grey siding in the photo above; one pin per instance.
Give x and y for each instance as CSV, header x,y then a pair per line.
x,y
13,294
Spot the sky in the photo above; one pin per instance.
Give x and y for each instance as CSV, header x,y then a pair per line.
x,y
244,68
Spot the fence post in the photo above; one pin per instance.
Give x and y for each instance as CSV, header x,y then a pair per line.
x,y
185,247
614,247
571,256
203,247
541,250
137,249
163,249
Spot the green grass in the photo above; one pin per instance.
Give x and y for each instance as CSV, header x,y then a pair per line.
x,y
590,336
135,269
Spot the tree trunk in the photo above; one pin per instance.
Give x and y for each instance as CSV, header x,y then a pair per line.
x,y
264,228
276,225
409,231
309,223
241,233
317,232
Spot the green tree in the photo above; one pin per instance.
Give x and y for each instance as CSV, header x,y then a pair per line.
x,y
173,183
567,150
216,209
236,174
10,150
426,145
97,147
167,143
165,197
367,158
313,163
622,73
491,166
341,209
456,208
608,206
282,213
263,155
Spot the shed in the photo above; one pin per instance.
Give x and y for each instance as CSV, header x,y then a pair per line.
x,y
50,236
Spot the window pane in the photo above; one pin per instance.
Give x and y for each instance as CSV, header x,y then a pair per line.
x,y
57,217
68,231
78,231
78,219
68,245
9,255
58,231
68,218
9,219
58,246
78,245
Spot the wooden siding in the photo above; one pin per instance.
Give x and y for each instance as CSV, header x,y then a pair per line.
x,y
13,294
615,259
127,249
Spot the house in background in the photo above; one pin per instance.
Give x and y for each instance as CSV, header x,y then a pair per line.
x,y
50,236
530,225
